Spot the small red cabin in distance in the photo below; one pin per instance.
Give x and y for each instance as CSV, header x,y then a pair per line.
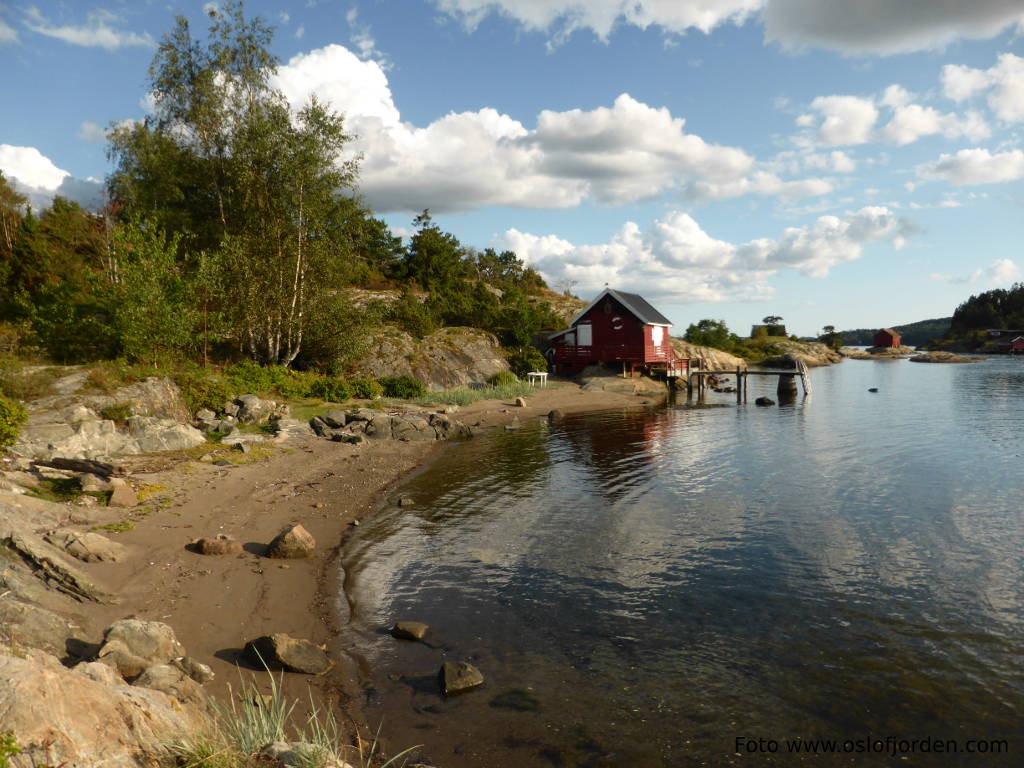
x,y
887,337
615,327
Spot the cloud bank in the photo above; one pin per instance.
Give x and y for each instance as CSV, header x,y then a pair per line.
x,y
675,259
623,153
38,178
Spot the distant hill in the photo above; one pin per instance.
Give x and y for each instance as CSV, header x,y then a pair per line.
x,y
914,334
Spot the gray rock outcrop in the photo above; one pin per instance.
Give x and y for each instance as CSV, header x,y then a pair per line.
x,y
67,717
355,426
446,359
599,378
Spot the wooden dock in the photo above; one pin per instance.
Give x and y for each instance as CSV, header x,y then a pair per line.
x,y
696,379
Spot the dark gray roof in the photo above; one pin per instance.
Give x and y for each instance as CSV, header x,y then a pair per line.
x,y
640,307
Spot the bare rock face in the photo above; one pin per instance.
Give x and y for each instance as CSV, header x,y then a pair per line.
x,y
172,680
446,359
29,625
459,677
70,717
86,546
132,645
714,359
293,542
281,651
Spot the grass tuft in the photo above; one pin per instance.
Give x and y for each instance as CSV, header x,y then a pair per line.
x,y
466,396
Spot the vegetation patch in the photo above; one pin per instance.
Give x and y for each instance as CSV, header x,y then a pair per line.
x,y
12,417
117,413
466,396
402,387
119,527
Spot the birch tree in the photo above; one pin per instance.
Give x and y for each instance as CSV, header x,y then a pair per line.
x,y
226,163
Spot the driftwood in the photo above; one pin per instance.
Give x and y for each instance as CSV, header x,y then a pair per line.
x,y
82,465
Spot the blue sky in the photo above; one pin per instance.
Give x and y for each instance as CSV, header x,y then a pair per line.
x,y
844,162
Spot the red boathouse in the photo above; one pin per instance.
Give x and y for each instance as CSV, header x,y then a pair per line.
x,y
616,327
887,337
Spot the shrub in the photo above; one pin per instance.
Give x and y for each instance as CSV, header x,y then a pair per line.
x,y
526,359
201,390
332,390
366,388
117,413
402,387
502,379
12,416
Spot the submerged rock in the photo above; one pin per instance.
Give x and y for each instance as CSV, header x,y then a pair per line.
x,y
459,677
409,630
764,401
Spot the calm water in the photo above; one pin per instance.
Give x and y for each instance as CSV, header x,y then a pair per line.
x,y
641,588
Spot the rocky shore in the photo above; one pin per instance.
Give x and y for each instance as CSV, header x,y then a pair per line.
x,y
152,609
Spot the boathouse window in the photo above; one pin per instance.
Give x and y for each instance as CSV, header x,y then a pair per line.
x,y
657,334
584,334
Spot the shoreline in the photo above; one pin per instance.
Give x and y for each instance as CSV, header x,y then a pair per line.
x,y
215,604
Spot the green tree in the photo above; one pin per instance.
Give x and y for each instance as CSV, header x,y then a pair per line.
x,y
224,159
709,333
153,312
435,258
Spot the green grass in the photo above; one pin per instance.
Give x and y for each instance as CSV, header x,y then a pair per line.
x,y
119,527
466,396
63,490
249,722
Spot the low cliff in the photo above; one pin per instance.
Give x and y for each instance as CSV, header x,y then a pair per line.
x,y
446,359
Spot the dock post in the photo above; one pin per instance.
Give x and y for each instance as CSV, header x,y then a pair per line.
x,y
787,387
739,386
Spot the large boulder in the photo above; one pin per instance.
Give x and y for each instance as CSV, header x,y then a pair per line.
x,y
133,645
293,542
446,359
281,651
67,717
152,434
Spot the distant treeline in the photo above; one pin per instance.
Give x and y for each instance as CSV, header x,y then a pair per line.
x,y
999,308
914,334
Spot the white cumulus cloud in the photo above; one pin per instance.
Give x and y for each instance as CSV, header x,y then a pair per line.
x,y
621,153
99,31
975,166
1004,83
36,176
676,258
845,119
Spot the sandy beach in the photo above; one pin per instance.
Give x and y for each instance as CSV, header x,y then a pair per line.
x,y
217,603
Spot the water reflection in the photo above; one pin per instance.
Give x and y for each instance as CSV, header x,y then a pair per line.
x,y
651,581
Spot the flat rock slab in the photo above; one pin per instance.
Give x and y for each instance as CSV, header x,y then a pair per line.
x,y
281,651
459,677
409,630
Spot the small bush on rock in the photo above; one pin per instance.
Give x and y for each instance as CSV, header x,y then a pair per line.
x,y
201,390
502,379
402,387
12,416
